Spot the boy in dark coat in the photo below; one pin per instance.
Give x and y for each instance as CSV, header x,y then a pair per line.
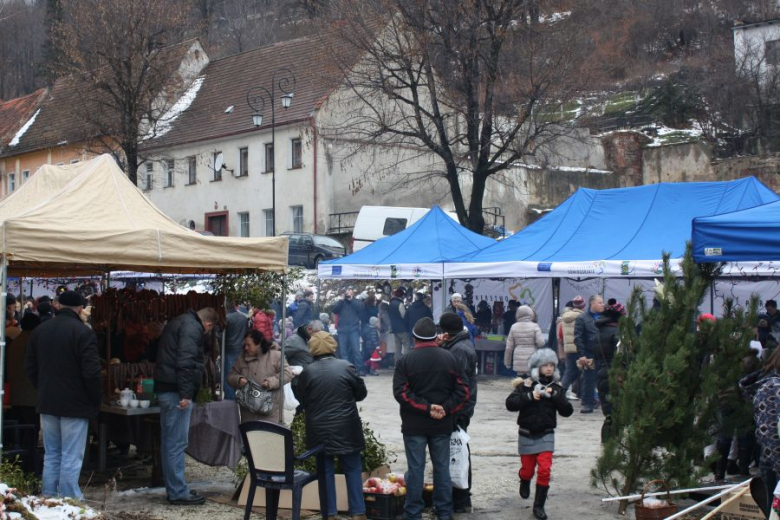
x,y
538,399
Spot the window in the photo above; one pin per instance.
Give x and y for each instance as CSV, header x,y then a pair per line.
x,y
169,166
269,222
25,175
192,170
74,161
60,164
269,158
11,182
243,220
393,226
296,150
297,218
772,52
217,173
243,162
149,176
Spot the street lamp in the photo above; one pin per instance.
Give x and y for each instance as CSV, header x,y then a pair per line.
x,y
282,81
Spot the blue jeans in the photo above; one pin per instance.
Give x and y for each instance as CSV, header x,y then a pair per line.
x,y
349,348
439,448
64,440
230,360
572,372
588,388
353,471
175,426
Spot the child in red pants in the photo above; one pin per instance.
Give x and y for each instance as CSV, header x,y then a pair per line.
x,y
539,399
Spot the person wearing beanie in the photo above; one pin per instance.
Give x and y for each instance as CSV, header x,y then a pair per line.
x,y
457,341
523,339
432,390
455,300
328,390
370,334
568,318
63,364
538,400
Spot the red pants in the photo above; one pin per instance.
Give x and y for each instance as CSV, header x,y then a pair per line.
x,y
529,463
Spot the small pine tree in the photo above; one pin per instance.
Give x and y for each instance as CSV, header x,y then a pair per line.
x,y
663,389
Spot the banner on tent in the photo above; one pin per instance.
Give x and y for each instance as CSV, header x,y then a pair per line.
x,y
536,293
380,272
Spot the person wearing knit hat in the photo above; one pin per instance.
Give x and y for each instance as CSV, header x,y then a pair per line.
x,y
538,400
578,303
371,342
328,390
455,299
456,340
431,388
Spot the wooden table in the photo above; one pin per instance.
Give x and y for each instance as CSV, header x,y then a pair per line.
x,y
103,427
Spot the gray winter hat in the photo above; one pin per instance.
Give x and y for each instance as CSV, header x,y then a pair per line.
x,y
543,356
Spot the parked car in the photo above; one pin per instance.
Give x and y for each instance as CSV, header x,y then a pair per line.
x,y
375,222
308,250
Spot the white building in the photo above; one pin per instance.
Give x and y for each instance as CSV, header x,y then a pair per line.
x,y
757,48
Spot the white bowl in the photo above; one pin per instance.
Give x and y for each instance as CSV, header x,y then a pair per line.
x,y
133,403
145,403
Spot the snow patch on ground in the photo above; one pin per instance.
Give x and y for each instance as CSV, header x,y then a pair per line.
x,y
165,123
23,130
665,135
45,508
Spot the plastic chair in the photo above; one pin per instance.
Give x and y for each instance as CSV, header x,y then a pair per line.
x,y
270,456
21,440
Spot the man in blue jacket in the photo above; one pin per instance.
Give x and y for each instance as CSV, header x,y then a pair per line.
x,y
586,336
349,311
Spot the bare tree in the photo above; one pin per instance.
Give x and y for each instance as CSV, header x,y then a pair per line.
x,y
124,56
21,34
480,85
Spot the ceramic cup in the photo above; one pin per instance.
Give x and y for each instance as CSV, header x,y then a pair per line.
x,y
145,403
124,403
133,403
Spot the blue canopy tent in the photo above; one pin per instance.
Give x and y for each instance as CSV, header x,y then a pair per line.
x,y
749,235
611,233
419,251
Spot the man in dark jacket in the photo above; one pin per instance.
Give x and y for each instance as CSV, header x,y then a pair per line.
x,y
349,311
305,311
586,337
509,317
431,388
62,363
177,376
328,389
399,322
235,331
417,311
457,341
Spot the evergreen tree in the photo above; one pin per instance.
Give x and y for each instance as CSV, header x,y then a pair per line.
x,y
666,382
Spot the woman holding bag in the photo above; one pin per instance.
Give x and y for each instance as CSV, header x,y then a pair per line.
x,y
260,363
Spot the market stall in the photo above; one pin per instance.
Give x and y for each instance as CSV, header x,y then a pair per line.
x,y
89,219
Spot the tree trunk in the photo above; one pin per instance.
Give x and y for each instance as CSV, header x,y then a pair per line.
x,y
131,158
476,222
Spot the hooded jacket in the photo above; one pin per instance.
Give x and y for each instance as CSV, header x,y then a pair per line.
x,y
263,323
567,321
179,365
537,418
523,339
462,348
259,368
62,362
328,389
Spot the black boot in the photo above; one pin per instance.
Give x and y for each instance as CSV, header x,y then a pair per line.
x,y
525,488
539,500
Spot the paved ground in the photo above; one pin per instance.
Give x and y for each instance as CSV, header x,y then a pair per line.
x,y
495,464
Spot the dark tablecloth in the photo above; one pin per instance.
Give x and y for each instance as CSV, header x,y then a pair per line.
x,y
214,435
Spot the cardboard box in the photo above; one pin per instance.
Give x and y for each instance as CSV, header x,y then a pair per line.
x,y
743,508
311,495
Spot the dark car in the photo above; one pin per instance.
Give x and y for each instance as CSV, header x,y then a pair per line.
x,y
308,250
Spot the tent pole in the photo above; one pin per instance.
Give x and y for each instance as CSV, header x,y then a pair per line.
x,y
319,288
282,330
712,297
3,294
222,354
443,297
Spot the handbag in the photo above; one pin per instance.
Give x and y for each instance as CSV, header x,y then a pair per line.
x,y
255,398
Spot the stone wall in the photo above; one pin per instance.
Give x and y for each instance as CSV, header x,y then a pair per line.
x,y
766,168
623,152
684,162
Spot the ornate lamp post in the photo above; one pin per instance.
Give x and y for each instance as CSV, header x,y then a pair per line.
x,y
282,82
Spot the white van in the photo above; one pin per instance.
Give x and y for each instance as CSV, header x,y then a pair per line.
x,y
375,222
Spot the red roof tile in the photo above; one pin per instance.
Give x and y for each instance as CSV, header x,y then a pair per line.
x,y
14,113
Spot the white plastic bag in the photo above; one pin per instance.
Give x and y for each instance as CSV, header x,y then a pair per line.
x,y
290,402
459,459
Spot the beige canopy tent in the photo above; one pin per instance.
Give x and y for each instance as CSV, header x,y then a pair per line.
x,y
88,218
